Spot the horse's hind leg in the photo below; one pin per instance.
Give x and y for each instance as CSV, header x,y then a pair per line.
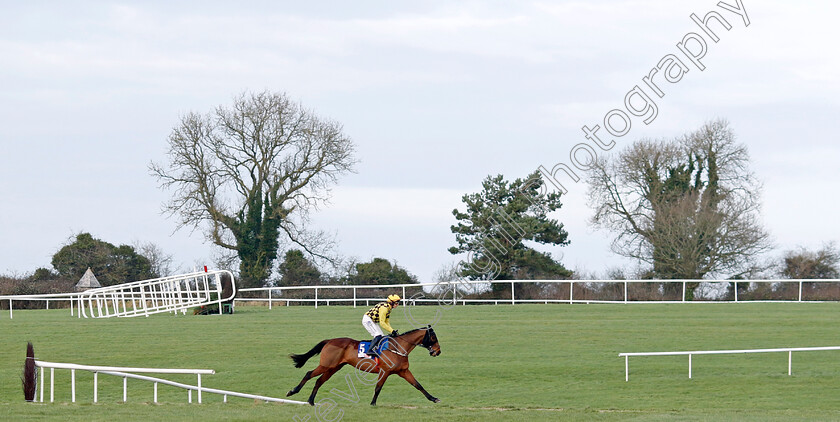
x,y
320,381
309,375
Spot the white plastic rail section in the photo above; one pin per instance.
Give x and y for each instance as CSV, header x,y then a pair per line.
x,y
167,294
789,350
125,373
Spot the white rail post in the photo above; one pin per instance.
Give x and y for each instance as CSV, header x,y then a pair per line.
x,y
689,366
571,292
71,307
155,400
269,299
790,359
683,293
189,396
11,316
95,387
354,296
625,291
72,385
52,385
42,385
316,298
199,388
403,296
219,293
626,368
125,389
736,291
800,290
512,295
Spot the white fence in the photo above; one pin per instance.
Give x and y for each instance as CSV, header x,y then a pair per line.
x,y
167,294
46,298
561,291
789,350
171,294
125,373
456,292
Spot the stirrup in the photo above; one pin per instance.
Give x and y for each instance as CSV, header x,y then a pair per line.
x,y
373,345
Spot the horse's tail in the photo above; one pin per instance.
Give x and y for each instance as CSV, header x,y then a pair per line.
x,y
28,377
301,359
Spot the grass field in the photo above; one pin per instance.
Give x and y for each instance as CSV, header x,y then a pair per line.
x,y
523,362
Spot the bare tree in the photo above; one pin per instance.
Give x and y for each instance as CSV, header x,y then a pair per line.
x,y
249,172
807,264
160,261
688,207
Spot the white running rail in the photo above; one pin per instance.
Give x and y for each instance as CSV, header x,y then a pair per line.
x,y
125,373
452,292
789,350
167,294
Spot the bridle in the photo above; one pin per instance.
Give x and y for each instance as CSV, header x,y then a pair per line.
x,y
429,340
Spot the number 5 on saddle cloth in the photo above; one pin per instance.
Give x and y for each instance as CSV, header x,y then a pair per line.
x,y
364,347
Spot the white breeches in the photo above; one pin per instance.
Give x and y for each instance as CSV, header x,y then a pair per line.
x,y
372,327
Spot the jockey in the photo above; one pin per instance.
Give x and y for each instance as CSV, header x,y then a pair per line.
x,y
380,313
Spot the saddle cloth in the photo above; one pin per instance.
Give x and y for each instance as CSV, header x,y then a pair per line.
x,y
364,346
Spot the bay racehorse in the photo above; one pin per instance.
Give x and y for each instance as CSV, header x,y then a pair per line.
x,y
337,352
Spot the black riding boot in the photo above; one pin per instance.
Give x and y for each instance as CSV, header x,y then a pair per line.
x,y
373,344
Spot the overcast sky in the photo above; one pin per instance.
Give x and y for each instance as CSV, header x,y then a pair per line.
x,y
436,95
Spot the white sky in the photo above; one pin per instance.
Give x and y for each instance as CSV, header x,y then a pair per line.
x,y
436,95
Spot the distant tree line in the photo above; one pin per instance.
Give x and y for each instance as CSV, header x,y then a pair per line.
x,y
297,270
124,263
248,174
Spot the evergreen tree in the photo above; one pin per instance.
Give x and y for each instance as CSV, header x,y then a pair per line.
x,y
496,224
380,271
111,264
296,270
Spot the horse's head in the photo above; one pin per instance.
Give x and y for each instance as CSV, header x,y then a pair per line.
x,y
430,341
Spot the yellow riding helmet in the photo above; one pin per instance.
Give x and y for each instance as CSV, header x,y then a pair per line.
x,y
393,298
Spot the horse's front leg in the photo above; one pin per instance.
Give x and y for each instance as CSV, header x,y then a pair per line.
x,y
383,376
408,376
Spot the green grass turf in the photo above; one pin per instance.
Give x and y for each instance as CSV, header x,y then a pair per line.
x,y
523,362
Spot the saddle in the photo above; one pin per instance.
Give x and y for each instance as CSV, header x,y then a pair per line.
x,y
364,347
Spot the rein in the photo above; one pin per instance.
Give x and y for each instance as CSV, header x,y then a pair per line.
x,y
426,342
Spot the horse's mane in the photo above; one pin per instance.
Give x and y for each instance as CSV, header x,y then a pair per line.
x,y
416,329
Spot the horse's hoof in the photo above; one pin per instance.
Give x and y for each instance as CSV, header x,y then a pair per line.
x,y
290,393
311,403
435,400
